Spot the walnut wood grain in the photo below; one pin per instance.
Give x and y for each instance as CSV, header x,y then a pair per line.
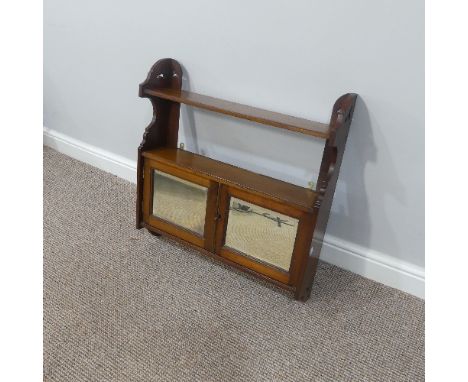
x,y
332,158
163,129
298,197
300,125
159,148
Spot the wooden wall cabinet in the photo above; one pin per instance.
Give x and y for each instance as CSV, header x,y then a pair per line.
x,y
261,225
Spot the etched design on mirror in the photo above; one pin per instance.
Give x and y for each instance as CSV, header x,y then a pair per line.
x,y
261,233
179,201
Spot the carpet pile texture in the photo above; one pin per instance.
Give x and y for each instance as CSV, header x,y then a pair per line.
x,y
123,305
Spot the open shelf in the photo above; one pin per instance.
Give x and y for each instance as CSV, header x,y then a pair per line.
x,y
299,125
224,173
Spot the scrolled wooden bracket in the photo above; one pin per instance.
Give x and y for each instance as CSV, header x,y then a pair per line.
x,y
163,129
164,74
335,145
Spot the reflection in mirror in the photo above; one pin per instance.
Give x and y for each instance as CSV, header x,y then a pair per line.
x,y
179,201
261,233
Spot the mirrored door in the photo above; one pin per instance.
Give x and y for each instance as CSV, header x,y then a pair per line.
x,y
258,233
261,233
180,203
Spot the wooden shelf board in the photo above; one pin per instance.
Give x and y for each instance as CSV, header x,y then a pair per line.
x,y
224,173
283,121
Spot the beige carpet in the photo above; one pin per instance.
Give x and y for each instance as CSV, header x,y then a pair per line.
x,y
123,305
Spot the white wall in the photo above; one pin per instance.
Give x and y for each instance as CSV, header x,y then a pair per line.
x,y
294,57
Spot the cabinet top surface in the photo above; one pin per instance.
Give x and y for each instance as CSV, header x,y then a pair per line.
x,y
283,121
224,173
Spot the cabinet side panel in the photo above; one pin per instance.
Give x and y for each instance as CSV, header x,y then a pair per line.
x,y
163,129
329,170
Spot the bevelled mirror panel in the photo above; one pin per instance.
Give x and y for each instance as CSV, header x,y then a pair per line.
x,y
263,234
179,201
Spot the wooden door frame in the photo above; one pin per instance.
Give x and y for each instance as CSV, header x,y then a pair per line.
x,y
299,254
205,241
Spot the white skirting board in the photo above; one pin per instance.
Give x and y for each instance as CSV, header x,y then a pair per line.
x,y
376,266
84,152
